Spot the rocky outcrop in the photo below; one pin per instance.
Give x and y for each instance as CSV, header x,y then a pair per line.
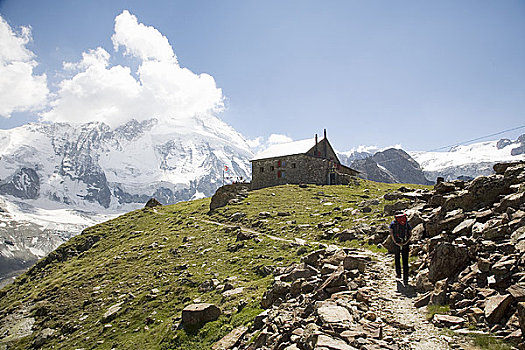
x,y
24,184
370,170
446,260
228,194
321,303
475,232
391,166
152,203
196,314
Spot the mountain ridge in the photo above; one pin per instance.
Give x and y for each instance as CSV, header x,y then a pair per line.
x,y
80,174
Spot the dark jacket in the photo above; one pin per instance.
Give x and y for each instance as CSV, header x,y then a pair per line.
x,y
402,233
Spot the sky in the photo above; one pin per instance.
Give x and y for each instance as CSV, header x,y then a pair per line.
x,y
422,74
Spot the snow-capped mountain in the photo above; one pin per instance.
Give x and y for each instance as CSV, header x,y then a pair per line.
x,y
460,162
57,178
93,166
470,161
28,233
392,165
356,153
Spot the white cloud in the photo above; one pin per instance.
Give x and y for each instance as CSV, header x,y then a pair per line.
x,y
259,144
162,89
278,138
96,92
255,143
139,40
20,89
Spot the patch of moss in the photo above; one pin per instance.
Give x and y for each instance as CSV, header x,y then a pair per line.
x,y
437,309
489,342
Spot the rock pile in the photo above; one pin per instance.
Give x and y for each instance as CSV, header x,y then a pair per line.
x,y
473,252
321,303
469,238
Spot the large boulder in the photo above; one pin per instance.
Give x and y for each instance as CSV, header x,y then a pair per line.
x,y
443,221
332,315
152,203
496,306
514,200
521,316
278,291
483,191
447,259
196,314
228,194
517,291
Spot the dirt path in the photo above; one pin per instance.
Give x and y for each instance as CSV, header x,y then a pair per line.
x,y
394,304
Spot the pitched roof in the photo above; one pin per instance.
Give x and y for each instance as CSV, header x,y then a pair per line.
x,y
286,149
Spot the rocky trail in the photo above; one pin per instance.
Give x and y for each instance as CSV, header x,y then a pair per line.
x,y
393,302
397,323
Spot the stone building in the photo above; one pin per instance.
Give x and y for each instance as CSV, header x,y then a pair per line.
x,y
307,161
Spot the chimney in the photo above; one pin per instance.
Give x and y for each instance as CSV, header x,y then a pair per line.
x,y
315,145
325,145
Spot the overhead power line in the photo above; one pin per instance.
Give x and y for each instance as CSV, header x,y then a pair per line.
x,y
478,138
453,145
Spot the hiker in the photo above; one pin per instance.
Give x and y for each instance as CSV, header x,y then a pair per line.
x,y
400,231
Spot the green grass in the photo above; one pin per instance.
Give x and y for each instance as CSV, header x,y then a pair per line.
x,y
364,245
155,259
437,309
489,342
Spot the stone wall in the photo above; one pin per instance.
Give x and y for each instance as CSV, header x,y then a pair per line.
x,y
323,149
294,169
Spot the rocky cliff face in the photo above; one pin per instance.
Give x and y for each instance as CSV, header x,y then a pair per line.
x,y
391,166
94,164
24,184
52,170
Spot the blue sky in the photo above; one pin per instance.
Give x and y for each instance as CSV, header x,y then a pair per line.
x,y
420,74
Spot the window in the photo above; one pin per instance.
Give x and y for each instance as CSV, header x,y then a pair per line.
x,y
283,164
272,168
279,164
261,169
294,165
281,174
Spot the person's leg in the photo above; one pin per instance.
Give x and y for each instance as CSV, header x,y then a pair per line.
x,y
397,253
405,254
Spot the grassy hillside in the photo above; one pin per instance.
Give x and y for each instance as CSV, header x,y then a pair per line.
x,y
152,261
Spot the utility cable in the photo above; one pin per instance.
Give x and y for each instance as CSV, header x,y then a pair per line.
x,y
477,139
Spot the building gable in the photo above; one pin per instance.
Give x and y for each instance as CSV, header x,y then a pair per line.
x,y
305,161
